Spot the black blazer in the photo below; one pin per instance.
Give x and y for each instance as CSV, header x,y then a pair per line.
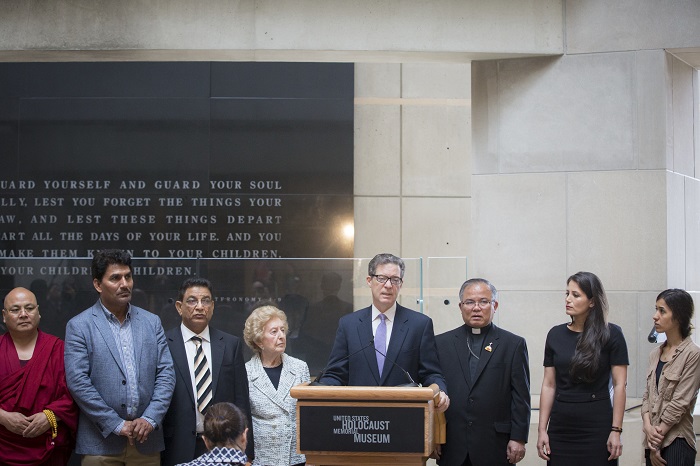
x,y
229,383
412,347
494,408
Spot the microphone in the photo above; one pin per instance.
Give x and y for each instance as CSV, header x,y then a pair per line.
x,y
652,335
412,383
323,371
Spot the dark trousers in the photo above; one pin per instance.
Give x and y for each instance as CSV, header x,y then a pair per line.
x,y
679,453
199,447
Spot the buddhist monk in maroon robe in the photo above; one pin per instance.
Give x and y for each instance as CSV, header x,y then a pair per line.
x,y
38,417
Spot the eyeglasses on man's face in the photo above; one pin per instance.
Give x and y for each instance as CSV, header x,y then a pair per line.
x,y
471,304
395,281
192,302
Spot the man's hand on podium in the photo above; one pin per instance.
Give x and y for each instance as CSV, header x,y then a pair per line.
x,y
443,402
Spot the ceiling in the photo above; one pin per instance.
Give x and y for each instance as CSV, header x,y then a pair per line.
x,y
690,56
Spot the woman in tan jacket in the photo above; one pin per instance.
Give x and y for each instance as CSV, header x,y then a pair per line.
x,y
673,379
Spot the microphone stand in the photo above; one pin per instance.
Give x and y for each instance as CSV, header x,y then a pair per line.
x,y
412,382
317,382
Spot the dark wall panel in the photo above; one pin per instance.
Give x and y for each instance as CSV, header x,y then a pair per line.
x,y
174,160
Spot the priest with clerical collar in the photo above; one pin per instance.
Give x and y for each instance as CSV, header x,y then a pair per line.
x,y
476,338
489,419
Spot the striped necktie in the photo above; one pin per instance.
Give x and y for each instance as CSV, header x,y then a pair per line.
x,y
202,376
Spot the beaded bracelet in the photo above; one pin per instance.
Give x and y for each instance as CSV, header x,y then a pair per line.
x,y
616,429
52,421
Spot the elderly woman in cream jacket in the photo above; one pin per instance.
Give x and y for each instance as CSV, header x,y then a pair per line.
x,y
271,374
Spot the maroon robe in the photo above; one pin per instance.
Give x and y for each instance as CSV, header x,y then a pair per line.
x,y
39,385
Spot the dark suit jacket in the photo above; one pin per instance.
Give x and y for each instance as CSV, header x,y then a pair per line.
x,y
229,383
412,347
494,408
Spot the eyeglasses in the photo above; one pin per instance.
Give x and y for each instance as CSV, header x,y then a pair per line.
x,y
29,308
396,281
480,304
192,302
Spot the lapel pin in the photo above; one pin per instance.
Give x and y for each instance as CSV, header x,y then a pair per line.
x,y
488,347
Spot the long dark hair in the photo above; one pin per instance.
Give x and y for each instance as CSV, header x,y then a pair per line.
x,y
586,361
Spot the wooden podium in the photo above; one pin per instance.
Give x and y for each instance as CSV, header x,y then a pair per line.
x,y
365,425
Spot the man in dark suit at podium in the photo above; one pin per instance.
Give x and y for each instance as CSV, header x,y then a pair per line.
x,y
489,379
375,345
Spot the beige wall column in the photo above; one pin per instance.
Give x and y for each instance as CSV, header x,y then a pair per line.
x,y
570,173
412,170
585,162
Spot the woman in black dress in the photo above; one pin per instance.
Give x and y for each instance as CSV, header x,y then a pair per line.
x,y
578,424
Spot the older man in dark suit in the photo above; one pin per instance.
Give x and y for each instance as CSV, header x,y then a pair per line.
x,y
209,369
489,419
401,337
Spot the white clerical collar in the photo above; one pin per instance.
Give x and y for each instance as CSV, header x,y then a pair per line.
x,y
479,330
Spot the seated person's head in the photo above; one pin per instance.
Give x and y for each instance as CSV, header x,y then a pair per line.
x,y
225,426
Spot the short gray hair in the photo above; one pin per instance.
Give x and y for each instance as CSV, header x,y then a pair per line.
x,y
385,258
483,281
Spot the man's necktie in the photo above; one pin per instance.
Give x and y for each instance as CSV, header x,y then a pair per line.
x,y
380,342
202,376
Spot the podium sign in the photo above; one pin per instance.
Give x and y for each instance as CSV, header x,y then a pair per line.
x,y
368,427
365,425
